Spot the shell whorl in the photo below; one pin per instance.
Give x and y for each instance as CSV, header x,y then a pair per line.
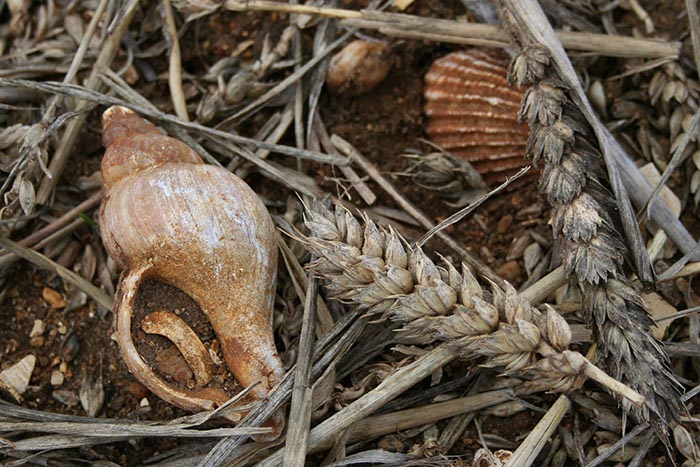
x,y
473,112
134,144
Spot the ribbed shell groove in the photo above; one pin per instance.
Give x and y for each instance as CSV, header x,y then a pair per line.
x,y
473,112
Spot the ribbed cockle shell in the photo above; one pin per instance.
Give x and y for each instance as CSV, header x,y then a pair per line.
x,y
473,112
166,215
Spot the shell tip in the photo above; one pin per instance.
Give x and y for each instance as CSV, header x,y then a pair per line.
x,y
119,121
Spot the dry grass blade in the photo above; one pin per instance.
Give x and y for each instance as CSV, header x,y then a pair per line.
x,y
287,82
301,283
110,430
63,152
691,7
677,158
528,450
79,56
92,96
73,431
459,215
640,191
175,63
60,223
302,394
357,183
379,425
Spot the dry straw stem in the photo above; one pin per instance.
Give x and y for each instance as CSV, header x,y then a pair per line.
x,y
302,394
416,27
379,425
528,450
66,431
75,126
287,82
324,320
68,219
584,216
92,96
174,63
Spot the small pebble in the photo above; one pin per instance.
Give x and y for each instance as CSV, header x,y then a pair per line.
x,y
504,224
358,67
38,328
57,378
392,443
69,398
144,402
518,246
37,341
138,390
70,348
53,298
116,403
509,271
171,362
132,75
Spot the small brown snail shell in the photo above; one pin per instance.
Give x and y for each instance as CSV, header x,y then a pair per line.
x,y
473,112
167,215
358,67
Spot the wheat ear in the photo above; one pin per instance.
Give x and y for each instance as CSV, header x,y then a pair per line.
x,y
377,270
584,216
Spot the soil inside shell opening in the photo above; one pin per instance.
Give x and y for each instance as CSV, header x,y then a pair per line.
x,y
160,353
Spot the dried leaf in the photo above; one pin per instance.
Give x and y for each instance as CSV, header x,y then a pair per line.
x,y
92,394
27,196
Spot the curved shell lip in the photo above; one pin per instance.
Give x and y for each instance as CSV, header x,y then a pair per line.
x,y
123,308
189,400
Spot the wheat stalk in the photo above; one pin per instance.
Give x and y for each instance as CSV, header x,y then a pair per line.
x,y
377,270
584,216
